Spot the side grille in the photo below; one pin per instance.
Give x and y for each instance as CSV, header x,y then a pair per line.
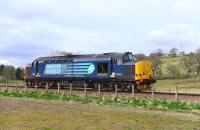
x,y
128,71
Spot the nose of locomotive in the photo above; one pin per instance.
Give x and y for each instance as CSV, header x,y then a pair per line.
x,y
143,70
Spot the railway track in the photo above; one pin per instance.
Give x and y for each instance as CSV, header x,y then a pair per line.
x,y
191,97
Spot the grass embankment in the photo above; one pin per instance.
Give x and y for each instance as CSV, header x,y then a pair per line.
x,y
168,60
28,114
191,85
118,101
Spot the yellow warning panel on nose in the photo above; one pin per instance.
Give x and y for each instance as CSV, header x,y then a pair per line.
x,y
143,70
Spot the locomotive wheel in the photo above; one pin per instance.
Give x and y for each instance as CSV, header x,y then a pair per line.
x,y
52,84
29,83
95,87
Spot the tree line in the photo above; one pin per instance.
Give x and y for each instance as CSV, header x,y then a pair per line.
x,y
8,72
192,62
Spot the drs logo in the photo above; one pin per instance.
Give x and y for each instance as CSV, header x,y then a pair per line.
x,y
91,69
69,69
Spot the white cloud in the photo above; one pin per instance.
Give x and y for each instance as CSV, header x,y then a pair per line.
x,y
175,35
187,7
5,62
31,28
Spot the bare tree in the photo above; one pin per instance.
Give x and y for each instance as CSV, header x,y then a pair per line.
x,y
8,73
158,52
173,70
188,63
140,56
19,73
182,53
197,63
1,69
197,50
173,52
156,62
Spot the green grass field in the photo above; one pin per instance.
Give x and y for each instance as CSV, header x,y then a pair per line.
x,y
166,61
190,85
28,114
185,85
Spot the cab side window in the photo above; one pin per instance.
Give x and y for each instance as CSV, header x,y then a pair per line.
x,y
119,61
102,68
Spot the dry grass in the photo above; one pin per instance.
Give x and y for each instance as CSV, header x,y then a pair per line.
x,y
27,114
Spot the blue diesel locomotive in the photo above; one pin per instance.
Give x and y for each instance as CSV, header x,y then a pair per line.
x,y
107,69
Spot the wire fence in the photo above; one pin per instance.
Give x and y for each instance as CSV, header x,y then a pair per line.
x,y
175,94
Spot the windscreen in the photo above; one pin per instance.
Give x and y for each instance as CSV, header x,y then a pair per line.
x,y
128,58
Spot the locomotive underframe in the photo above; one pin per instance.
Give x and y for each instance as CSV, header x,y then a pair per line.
x,y
79,82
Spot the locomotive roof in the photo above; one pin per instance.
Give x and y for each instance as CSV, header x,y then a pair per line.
x,y
104,56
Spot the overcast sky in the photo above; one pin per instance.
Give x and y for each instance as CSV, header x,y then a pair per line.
x,y
32,28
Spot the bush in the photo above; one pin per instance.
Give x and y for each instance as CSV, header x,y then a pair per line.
x,y
174,71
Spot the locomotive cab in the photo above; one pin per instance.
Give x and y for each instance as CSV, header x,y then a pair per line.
x,y
143,74
141,71
128,57
35,68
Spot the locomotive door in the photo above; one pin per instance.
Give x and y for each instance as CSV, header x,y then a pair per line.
x,y
35,68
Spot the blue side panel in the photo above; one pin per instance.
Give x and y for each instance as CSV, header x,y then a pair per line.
x,y
76,69
41,67
79,69
119,71
70,69
52,69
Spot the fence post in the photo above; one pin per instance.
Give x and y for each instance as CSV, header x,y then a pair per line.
x,y
16,86
85,89
152,92
133,89
25,87
6,86
99,89
36,87
70,87
47,87
176,94
1,85
58,87
116,90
